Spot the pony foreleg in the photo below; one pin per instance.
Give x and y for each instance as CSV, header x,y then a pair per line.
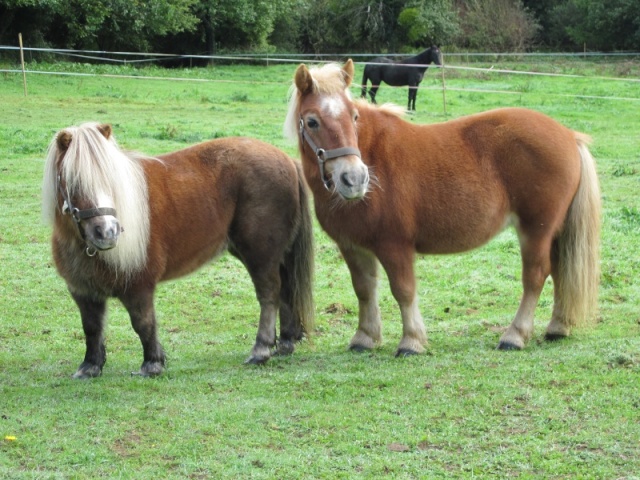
x,y
92,313
143,319
398,263
364,277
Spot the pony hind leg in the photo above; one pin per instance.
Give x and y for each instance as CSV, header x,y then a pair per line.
x,y
266,281
536,267
290,328
398,263
262,261
363,267
139,304
92,313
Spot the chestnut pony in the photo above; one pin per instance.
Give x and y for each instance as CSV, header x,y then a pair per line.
x,y
124,222
385,189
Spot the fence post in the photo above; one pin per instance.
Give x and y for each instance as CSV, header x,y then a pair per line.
x,y
444,87
24,75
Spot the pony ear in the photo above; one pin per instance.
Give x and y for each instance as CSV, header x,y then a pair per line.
x,y
303,80
105,130
63,139
348,71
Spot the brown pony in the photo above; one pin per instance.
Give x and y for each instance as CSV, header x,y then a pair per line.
x,y
385,189
123,222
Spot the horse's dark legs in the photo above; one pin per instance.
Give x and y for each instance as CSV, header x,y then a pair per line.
x,y
372,92
92,313
397,261
139,304
364,277
413,93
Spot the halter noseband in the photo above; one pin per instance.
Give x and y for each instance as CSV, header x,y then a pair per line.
x,y
80,215
323,155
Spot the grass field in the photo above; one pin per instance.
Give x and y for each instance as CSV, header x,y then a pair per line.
x,y
569,409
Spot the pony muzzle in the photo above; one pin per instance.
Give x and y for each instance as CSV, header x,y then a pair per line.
x,y
101,233
349,176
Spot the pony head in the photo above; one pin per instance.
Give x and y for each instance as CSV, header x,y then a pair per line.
x,y
92,191
322,117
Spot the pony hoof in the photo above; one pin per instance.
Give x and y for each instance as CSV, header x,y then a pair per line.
x,y
405,352
285,347
359,348
252,360
508,346
554,337
150,369
86,372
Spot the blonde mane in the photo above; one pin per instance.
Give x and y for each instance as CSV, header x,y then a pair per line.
x,y
327,79
94,165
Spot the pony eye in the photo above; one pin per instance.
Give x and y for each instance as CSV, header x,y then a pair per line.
x,y
312,123
355,117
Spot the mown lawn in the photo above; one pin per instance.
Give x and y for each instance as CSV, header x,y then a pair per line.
x,y
569,409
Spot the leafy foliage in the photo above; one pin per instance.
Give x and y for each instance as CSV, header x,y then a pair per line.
x,y
321,26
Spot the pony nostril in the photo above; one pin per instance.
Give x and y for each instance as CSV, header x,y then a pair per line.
x,y
347,179
98,232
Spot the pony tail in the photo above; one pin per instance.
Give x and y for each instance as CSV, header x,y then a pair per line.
x,y
299,264
579,247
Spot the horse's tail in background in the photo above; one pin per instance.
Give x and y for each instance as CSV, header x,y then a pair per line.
x,y
297,287
578,247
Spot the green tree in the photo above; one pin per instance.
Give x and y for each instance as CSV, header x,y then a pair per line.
x,y
29,17
121,24
231,24
426,22
496,25
610,25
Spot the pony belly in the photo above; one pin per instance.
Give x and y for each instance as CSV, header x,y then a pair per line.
x,y
462,238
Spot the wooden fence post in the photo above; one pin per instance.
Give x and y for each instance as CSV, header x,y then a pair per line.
x,y
24,75
444,87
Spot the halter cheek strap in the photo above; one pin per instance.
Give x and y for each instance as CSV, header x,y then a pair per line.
x,y
323,155
80,215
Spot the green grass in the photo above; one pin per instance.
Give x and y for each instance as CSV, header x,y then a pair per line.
x,y
556,410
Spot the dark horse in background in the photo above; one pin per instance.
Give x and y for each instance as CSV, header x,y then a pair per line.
x,y
409,71
123,223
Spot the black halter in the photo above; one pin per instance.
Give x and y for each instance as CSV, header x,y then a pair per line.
x,y
80,215
323,155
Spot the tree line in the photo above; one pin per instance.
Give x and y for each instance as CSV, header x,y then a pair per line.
x,y
321,26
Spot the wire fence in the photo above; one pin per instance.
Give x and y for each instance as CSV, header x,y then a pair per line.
x,y
136,58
